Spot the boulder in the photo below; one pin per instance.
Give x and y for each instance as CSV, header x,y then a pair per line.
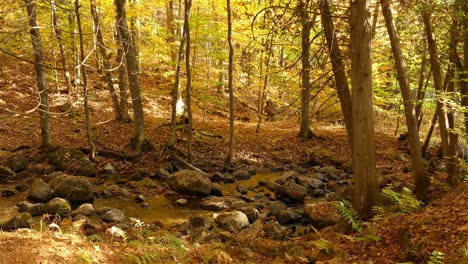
x,y
22,220
288,216
108,168
232,221
289,175
111,215
58,206
72,160
76,190
310,183
216,190
217,177
17,163
213,204
251,213
241,175
34,209
291,191
190,182
40,191
322,214
85,209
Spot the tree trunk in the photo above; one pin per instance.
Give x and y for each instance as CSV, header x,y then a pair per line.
x,y
63,54
76,59
230,86
123,106
338,68
364,166
188,70
464,90
302,8
40,75
133,79
89,134
437,78
420,94
419,174
105,61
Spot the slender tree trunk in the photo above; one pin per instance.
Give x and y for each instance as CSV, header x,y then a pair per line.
x,y
76,59
365,180
40,74
420,94
464,88
230,85
304,131
437,78
338,68
266,82
170,28
175,93
420,178
133,79
89,134
188,70
63,54
431,128
123,105
105,61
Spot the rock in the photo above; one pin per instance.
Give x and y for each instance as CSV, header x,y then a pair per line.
x,y
329,169
213,204
232,221
40,191
241,189
22,220
272,186
274,231
251,213
72,160
167,166
58,206
229,179
162,174
291,191
139,198
34,209
87,168
111,215
216,190
6,171
286,177
241,175
322,214
190,182
318,193
217,177
21,187
346,193
181,202
8,193
288,216
76,190
17,163
108,168
275,206
310,183
145,205
85,209
200,222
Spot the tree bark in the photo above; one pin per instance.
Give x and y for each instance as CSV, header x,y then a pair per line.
x,y
464,90
230,86
123,105
105,61
304,131
419,174
338,67
76,59
364,166
40,74
63,54
188,71
89,134
133,76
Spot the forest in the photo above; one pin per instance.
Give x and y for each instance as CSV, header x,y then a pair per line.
x,y
307,131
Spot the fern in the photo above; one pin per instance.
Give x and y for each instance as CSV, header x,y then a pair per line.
x,y
436,257
350,214
404,200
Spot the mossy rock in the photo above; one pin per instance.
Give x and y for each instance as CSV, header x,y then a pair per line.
x,y
72,160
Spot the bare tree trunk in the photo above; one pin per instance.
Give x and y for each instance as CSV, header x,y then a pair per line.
x,y
230,86
123,106
464,90
89,134
431,128
338,68
188,70
364,165
105,61
170,28
40,75
420,94
133,79
76,59
63,54
304,131
437,77
266,82
420,178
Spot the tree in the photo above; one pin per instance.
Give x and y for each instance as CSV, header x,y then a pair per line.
x,y
420,178
40,74
302,8
338,67
464,90
188,70
133,79
230,86
105,60
364,166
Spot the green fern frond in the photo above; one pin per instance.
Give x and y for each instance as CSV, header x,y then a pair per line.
x,y
404,200
345,208
436,257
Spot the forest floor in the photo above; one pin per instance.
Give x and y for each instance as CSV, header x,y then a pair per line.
x,y
441,225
